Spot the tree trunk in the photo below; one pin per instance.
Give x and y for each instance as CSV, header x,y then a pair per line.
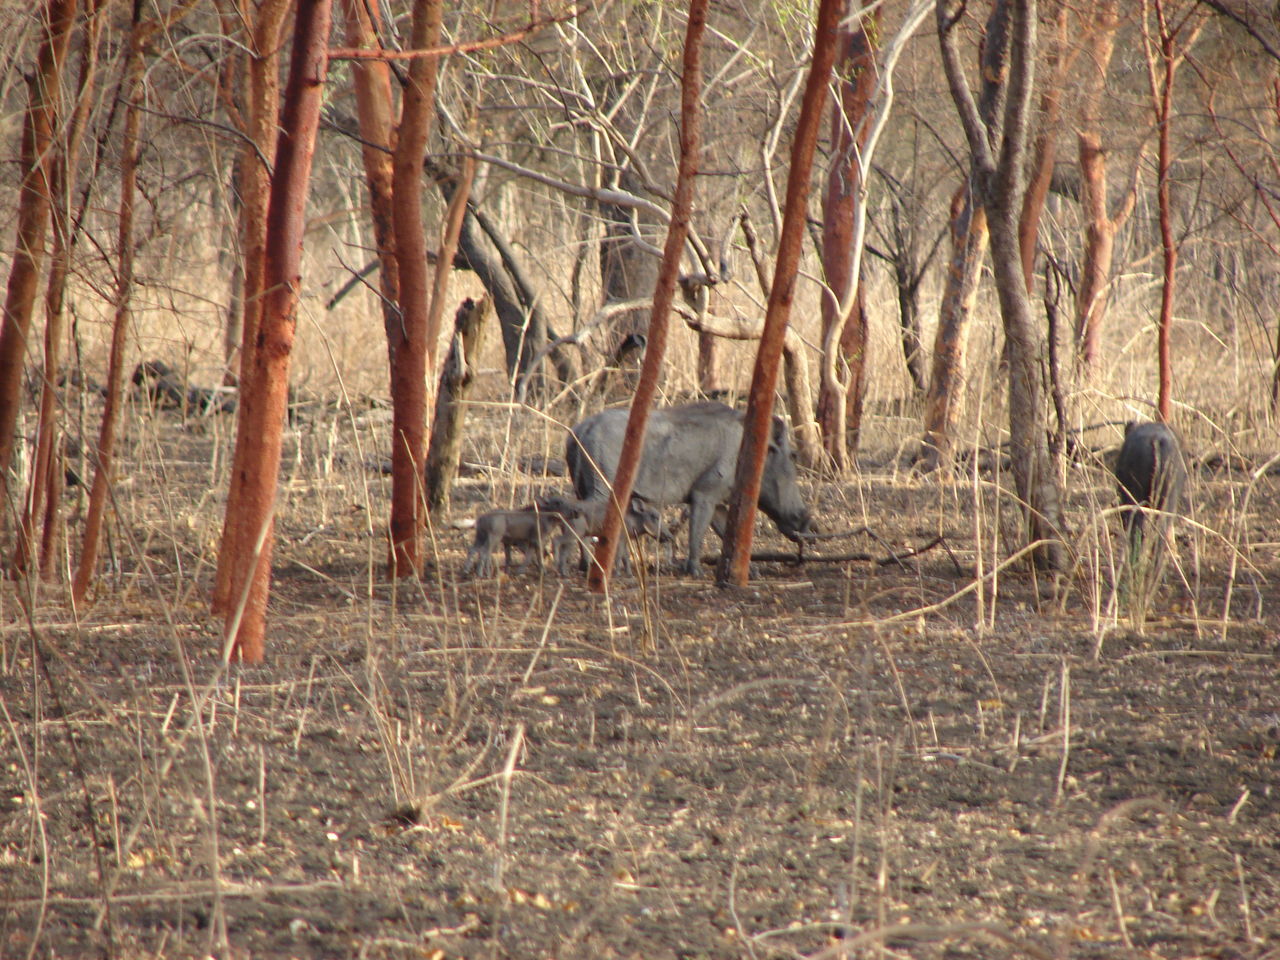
x,y
708,365
998,147
408,339
377,133
1169,249
840,403
1045,151
1099,245
102,475
43,501
256,161
908,287
757,429
969,243
265,378
951,341
1100,226
663,296
460,367
45,88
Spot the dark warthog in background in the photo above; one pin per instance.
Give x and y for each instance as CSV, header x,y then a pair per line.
x,y
1150,472
690,453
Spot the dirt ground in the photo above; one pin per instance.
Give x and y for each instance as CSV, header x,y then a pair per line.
x,y
841,759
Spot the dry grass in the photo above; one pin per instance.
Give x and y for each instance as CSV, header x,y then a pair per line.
x,y
939,757
670,768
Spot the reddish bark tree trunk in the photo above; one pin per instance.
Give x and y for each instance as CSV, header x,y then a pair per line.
x,y
1045,150
256,161
1100,224
376,114
265,378
407,340
663,295
33,213
102,475
840,404
739,529
1164,118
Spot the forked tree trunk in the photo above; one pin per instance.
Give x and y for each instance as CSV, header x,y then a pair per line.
x,y
265,378
969,237
998,148
256,162
840,402
663,296
735,561
44,88
105,459
407,340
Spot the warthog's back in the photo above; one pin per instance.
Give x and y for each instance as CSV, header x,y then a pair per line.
x,y
1150,470
694,446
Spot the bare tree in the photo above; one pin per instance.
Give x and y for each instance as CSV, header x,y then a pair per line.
x,y
1102,218
856,73
969,238
408,337
735,561
663,295
998,148
1061,56
41,505
1162,64
247,537
45,89
376,115
132,92
258,155
456,378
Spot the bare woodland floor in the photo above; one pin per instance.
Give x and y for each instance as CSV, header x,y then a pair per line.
x,y
518,768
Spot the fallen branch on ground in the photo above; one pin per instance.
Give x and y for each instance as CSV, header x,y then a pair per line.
x,y
799,557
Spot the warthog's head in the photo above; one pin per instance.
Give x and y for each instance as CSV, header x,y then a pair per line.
x,y
644,520
779,494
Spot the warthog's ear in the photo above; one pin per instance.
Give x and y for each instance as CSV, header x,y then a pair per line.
x,y
778,433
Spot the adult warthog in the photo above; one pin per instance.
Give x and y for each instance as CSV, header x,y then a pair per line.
x,y
1150,472
690,453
